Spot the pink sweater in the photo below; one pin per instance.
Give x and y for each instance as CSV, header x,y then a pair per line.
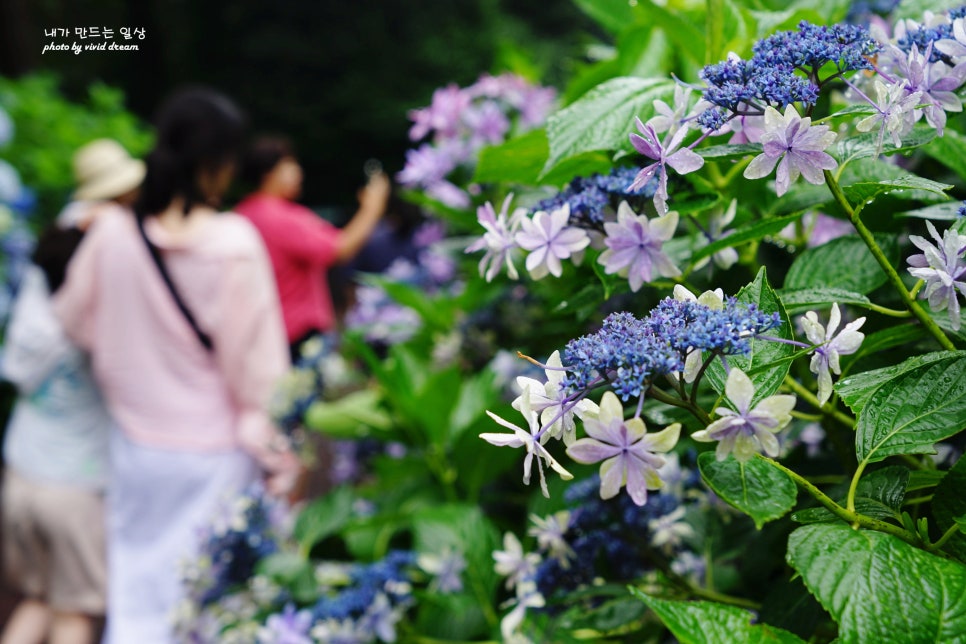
x,y
162,386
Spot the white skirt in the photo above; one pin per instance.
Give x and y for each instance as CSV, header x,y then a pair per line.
x,y
159,501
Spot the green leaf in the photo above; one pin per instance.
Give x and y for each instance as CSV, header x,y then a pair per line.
x,y
909,413
924,479
293,572
865,191
354,415
863,146
729,152
603,118
461,528
805,299
949,505
913,9
856,390
449,618
950,150
879,495
684,33
517,161
323,517
757,229
757,488
894,336
766,364
844,262
948,211
703,622
879,588
612,15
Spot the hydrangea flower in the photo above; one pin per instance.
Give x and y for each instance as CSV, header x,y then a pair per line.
x,y
550,532
634,246
290,627
593,199
381,617
442,115
934,82
513,563
550,239
943,267
718,221
629,453
746,429
664,153
798,146
668,118
669,530
555,405
527,597
532,440
829,346
895,113
446,567
499,238
714,300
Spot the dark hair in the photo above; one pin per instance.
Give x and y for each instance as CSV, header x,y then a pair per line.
x,y
264,154
198,130
53,251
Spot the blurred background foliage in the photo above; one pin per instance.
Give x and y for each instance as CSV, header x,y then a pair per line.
x,y
338,77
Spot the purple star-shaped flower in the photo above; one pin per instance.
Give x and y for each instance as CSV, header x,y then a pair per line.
x,y
291,627
744,429
936,83
665,153
634,246
943,267
550,239
498,239
799,145
628,452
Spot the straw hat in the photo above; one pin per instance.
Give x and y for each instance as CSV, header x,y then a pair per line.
x,y
103,170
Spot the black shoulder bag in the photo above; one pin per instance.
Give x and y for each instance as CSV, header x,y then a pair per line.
x,y
203,337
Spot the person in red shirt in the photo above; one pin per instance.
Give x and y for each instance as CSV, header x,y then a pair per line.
x,y
301,245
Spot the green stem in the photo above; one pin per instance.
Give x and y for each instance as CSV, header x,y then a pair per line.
x,y
849,516
886,311
886,266
812,400
714,595
853,486
949,534
668,399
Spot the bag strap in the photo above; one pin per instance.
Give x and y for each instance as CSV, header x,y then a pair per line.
x,y
203,337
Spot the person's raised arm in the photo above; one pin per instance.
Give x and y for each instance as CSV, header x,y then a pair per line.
x,y
373,199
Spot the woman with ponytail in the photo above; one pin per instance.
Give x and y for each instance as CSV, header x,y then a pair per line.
x,y
177,306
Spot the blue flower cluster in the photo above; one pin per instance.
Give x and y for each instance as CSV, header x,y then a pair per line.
x,y
629,353
848,47
236,550
301,386
861,11
366,581
590,198
922,36
962,210
770,77
610,539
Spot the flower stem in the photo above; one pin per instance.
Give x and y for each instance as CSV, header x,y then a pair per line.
x,y
851,517
668,399
810,398
866,235
949,534
853,485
